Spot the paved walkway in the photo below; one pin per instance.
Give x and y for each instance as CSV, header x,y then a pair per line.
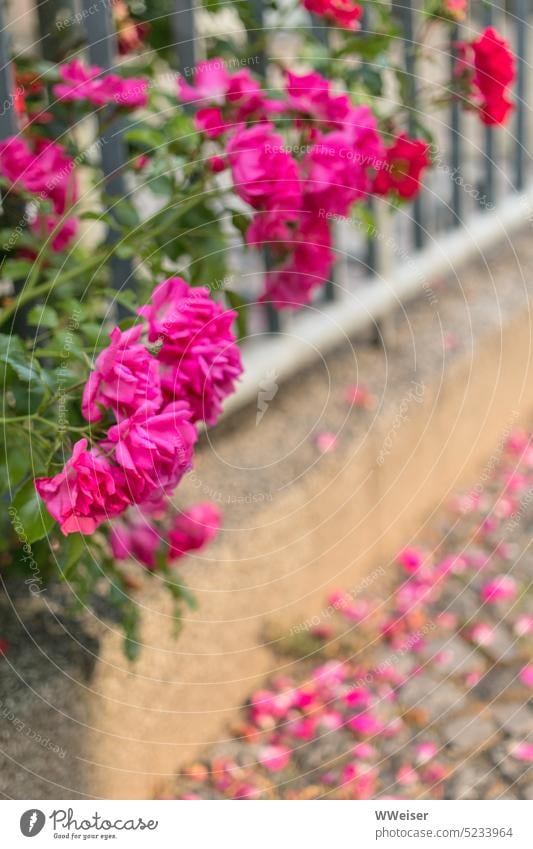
x,y
423,691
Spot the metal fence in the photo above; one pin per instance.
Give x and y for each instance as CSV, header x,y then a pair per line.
x,y
493,166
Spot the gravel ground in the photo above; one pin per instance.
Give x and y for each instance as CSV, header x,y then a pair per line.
x,y
420,691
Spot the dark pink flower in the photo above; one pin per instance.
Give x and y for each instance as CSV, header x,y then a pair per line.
x,y
264,174
199,357
308,265
83,82
193,529
85,493
125,378
134,537
310,94
236,96
338,167
154,450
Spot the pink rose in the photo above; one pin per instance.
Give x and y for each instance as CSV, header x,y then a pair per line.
x,y
125,378
154,450
199,357
193,529
85,493
83,82
136,538
264,174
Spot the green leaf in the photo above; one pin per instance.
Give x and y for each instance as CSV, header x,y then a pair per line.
x,y
238,303
30,511
42,317
72,548
21,378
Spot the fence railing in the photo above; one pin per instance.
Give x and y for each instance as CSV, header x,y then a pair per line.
x,y
477,168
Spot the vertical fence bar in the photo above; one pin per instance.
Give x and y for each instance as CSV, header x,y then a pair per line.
x,y
405,14
183,22
101,43
456,138
521,11
489,144
321,33
256,42
8,124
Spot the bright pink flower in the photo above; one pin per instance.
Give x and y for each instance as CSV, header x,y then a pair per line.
x,y
401,170
200,359
307,266
345,13
125,378
211,122
83,82
264,174
337,168
85,493
154,450
330,673
193,529
523,752
303,728
134,537
526,675
410,559
310,94
275,757
502,588
358,698
365,723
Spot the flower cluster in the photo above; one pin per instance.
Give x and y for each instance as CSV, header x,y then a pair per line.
x,y
42,168
295,189
88,83
149,401
487,70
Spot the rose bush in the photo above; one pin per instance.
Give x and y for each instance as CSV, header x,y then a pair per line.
x,y
105,387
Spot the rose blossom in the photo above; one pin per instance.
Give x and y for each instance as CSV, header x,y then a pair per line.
x,y
85,82
199,358
494,72
345,13
264,174
85,493
193,528
136,538
125,377
153,450
400,171
502,588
